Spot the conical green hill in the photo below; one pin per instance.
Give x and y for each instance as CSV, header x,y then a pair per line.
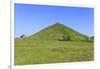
x,y
57,32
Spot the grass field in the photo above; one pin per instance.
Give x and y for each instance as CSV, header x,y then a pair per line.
x,y
47,51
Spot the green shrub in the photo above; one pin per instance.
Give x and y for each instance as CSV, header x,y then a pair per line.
x,y
64,38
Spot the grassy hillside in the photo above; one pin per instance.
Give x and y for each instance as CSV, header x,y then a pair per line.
x,y
45,47
54,32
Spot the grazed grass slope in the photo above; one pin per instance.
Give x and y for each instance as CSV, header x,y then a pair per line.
x,y
53,32
44,47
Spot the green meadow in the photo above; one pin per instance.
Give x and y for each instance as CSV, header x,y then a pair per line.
x,y
42,52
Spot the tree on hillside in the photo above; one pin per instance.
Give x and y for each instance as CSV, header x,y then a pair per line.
x,y
22,36
91,39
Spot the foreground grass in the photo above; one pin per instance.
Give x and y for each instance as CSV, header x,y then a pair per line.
x,y
46,51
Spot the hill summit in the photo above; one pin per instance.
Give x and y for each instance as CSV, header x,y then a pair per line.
x,y
58,31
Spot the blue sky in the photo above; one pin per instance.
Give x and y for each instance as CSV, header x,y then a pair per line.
x,y
30,19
